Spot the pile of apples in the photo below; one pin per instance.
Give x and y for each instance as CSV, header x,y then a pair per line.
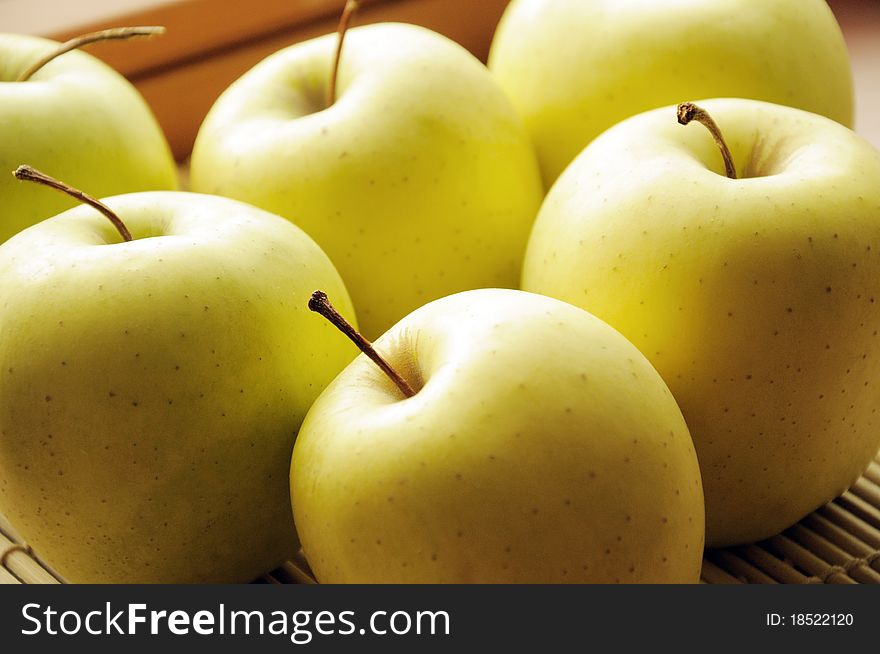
x,y
171,410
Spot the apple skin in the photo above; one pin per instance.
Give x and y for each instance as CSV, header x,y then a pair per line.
x,y
757,299
152,390
78,120
418,182
542,447
574,68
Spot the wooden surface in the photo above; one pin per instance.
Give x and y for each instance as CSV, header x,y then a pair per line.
x,y
860,21
46,17
210,43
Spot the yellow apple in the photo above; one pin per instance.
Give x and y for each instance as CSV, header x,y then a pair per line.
x,y
152,389
574,68
79,120
757,299
419,181
540,446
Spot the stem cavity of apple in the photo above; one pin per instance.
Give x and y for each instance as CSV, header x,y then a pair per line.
x,y
351,6
688,111
28,174
86,39
320,303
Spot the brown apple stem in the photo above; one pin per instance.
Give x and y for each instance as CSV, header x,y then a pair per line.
x,y
29,174
320,303
688,111
86,39
351,6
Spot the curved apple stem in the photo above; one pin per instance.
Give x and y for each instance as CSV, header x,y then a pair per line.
x,y
28,174
86,39
688,111
351,6
320,303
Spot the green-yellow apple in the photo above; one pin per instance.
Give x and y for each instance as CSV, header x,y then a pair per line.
x,y
757,299
152,389
573,68
79,119
418,181
539,446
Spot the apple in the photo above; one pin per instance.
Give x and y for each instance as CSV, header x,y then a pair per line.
x,y
418,181
574,68
78,118
757,299
152,389
538,446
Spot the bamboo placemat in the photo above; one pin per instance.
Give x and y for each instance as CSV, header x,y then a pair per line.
x,y
838,544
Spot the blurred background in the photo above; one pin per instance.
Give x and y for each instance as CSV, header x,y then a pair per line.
x,y
210,43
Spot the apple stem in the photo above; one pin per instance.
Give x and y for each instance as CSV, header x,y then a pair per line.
x,y
320,303
28,174
688,111
351,6
86,39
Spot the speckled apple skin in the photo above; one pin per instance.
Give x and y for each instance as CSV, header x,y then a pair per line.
x,y
757,299
78,120
152,390
574,68
420,181
542,447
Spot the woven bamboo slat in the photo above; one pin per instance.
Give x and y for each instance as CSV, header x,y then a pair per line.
x,y
18,562
741,568
838,544
7,577
852,525
873,472
855,504
712,574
